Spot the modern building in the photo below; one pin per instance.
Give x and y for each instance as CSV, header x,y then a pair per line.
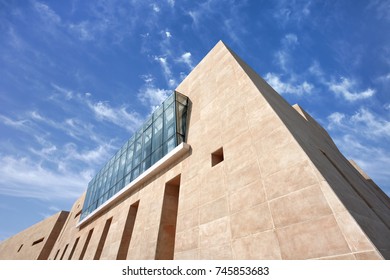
x,y
225,168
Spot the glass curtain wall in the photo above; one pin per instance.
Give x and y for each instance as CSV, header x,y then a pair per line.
x,y
161,133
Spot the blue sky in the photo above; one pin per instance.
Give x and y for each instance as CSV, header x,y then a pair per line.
x,y
77,78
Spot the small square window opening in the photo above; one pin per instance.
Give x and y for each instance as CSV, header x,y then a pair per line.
x,y
217,157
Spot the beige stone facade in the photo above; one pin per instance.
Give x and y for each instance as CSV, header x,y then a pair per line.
x,y
36,242
257,179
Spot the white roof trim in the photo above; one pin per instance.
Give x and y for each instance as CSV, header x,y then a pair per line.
x,y
164,162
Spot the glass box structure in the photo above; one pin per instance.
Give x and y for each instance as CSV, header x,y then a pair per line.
x,y
161,133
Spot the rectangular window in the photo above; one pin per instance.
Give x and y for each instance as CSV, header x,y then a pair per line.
x,y
157,155
86,244
146,163
128,179
74,248
130,152
63,253
58,251
20,248
217,157
147,145
135,173
127,232
77,214
167,230
169,122
102,240
37,241
170,145
157,132
122,162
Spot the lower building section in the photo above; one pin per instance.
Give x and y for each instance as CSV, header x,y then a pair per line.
x,y
215,214
36,242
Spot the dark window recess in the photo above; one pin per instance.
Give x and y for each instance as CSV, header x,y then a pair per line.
x,y
63,253
167,230
102,240
38,241
127,232
74,248
20,248
55,257
77,214
217,157
86,244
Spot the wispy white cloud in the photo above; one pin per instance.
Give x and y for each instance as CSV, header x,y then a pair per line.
x,y
48,168
182,76
84,30
163,61
230,22
155,7
195,15
91,156
362,136
153,96
288,87
375,125
47,148
233,27
384,80
282,58
363,154
118,116
15,40
346,89
206,9
18,124
102,110
164,65
335,119
292,11
48,171
290,39
381,8
47,13
24,177
79,127
294,83
316,71
54,208
186,58
363,123
88,125
108,22
171,3
150,95
51,210
72,127
283,55
66,157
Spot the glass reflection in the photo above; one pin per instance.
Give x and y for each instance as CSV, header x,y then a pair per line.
x,y
160,134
